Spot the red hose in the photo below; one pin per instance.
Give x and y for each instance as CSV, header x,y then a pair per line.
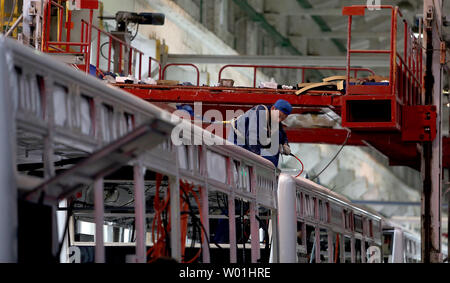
x,y
303,167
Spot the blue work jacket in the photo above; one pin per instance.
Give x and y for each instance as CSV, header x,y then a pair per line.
x,y
251,123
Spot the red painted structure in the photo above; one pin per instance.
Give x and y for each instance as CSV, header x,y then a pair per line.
x,y
84,46
302,68
389,116
379,107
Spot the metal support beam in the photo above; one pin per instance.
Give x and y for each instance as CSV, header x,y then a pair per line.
x,y
338,34
13,27
387,203
175,224
273,32
286,10
8,190
322,25
318,61
99,220
140,218
254,231
205,212
231,214
432,151
306,12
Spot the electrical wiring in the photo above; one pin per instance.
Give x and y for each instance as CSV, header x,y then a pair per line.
x,y
303,167
329,163
134,36
101,52
161,222
101,46
159,247
185,188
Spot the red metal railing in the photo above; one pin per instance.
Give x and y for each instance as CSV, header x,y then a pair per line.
x,y
150,59
55,46
303,69
85,44
111,41
182,64
405,72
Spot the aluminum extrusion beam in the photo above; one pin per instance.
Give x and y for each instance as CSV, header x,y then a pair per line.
x,y
8,191
99,220
287,219
317,61
140,219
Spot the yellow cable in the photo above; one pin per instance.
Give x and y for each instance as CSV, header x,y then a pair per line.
x,y
2,3
15,17
58,22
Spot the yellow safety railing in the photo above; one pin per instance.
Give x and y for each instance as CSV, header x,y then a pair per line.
x,y
9,15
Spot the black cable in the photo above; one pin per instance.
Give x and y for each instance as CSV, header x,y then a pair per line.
x,y
194,233
132,231
197,220
195,229
266,233
223,209
225,202
193,221
137,29
101,46
329,163
101,53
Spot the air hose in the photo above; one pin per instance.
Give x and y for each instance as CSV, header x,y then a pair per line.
x,y
303,167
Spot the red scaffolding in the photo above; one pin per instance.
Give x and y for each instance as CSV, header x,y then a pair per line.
x,y
390,115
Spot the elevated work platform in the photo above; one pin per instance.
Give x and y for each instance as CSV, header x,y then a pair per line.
x,y
391,115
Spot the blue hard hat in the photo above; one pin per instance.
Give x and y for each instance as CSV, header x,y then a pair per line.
x,y
186,108
283,106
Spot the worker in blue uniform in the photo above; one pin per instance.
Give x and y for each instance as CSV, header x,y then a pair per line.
x,y
260,131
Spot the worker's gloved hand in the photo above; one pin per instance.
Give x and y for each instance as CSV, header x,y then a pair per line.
x,y
285,149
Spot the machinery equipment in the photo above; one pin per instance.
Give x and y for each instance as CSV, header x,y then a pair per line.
x,y
123,19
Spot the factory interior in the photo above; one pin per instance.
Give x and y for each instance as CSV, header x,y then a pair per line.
x,y
117,117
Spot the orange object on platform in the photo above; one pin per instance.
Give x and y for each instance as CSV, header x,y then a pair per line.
x,y
87,4
353,11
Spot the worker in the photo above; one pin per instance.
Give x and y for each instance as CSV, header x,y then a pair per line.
x,y
261,132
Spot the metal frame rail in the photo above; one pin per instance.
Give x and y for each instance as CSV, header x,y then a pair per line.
x,y
84,46
301,200
60,112
405,79
302,68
